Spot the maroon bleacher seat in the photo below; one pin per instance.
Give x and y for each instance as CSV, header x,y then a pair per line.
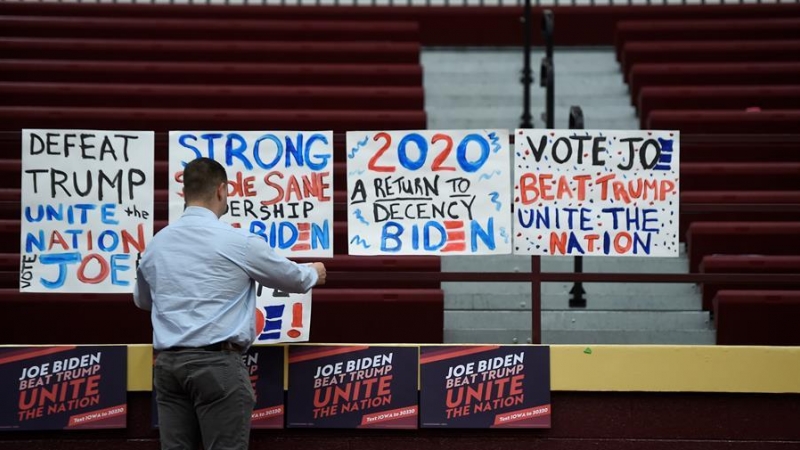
x,y
708,51
338,315
741,238
757,317
211,96
735,264
20,117
737,206
192,73
710,122
716,97
712,74
740,176
740,148
201,29
712,29
210,50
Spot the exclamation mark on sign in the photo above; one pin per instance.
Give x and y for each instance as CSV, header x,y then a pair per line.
x,y
297,320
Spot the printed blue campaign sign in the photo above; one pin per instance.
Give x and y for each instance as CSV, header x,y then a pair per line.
x,y
64,387
488,386
352,387
265,365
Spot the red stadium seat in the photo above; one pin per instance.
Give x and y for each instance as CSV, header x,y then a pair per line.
x,y
740,148
338,315
202,29
736,206
210,50
725,122
708,51
714,29
757,317
211,96
715,97
712,74
192,73
16,118
746,264
756,176
741,238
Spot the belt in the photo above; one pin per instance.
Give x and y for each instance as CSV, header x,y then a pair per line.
x,y
216,347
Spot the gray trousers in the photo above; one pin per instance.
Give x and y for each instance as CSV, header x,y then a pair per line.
x,y
203,396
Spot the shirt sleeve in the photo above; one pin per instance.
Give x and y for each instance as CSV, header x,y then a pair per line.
x,y
272,270
141,292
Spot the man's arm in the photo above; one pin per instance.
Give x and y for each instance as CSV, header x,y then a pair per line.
x,y
141,292
277,272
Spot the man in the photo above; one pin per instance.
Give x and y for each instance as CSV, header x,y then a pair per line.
x,y
198,278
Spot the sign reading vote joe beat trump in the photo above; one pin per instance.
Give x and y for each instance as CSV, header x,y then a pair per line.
x,y
280,184
428,192
280,187
87,209
586,192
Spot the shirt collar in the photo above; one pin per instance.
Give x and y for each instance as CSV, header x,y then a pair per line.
x,y
199,211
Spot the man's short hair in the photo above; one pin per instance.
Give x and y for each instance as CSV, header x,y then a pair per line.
x,y
201,178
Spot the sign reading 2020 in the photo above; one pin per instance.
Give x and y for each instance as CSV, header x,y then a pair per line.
x,y
280,184
587,192
428,192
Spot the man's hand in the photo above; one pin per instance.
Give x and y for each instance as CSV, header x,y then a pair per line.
x,y
321,272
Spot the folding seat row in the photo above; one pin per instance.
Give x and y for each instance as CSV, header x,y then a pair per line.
x,y
716,97
755,317
747,264
741,238
725,122
207,29
209,50
337,315
712,74
211,96
740,176
18,117
203,73
740,148
737,206
708,51
695,30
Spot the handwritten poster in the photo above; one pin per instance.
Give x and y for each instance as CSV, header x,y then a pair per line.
x,y
428,192
352,387
87,209
280,184
282,316
587,192
485,386
65,387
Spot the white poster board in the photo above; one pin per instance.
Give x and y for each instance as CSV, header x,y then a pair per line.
x,y
590,192
428,192
280,187
87,209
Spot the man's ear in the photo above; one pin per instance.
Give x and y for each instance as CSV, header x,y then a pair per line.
x,y
222,190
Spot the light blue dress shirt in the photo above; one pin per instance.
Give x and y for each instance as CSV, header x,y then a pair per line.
x,y
198,275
